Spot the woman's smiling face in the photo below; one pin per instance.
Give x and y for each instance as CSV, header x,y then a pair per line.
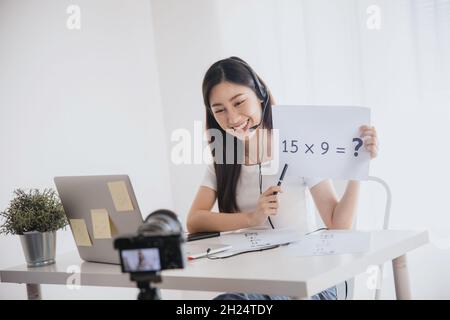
x,y
235,107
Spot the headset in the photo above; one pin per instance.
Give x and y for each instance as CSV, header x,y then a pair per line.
x,y
259,87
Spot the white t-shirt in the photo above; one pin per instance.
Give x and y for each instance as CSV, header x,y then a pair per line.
x,y
295,209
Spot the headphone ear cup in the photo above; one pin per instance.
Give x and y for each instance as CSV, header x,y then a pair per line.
x,y
258,85
264,93
261,89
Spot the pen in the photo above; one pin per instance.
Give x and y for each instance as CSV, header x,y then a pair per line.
x,y
202,235
209,251
281,177
280,180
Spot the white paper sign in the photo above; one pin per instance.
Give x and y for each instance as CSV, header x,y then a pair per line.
x,y
321,141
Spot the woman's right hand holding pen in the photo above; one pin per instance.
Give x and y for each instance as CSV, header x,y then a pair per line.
x,y
267,206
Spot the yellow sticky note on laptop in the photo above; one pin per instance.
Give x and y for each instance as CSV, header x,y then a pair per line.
x,y
120,196
80,233
100,224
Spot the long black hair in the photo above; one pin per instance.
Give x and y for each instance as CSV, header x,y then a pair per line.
x,y
234,70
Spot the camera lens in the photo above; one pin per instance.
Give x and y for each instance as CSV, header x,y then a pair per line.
x,y
161,221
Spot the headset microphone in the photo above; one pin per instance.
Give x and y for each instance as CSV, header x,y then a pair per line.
x,y
253,128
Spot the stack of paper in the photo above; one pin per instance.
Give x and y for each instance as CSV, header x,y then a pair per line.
x,y
300,244
254,239
331,242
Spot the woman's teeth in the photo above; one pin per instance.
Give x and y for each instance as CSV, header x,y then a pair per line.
x,y
242,126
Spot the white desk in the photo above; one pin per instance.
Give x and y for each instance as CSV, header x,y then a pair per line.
x,y
270,272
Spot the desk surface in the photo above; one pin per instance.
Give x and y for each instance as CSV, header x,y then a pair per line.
x,y
272,272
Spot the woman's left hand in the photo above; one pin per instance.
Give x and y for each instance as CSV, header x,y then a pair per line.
x,y
369,136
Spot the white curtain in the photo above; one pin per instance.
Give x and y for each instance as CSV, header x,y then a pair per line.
x,y
392,56
330,52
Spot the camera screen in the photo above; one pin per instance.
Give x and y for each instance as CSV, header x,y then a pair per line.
x,y
141,260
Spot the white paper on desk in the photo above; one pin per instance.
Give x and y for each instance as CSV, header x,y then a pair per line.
x,y
331,242
254,239
317,141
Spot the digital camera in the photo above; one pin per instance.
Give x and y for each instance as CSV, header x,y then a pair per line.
x,y
158,245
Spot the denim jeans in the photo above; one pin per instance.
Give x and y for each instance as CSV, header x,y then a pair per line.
x,y
328,294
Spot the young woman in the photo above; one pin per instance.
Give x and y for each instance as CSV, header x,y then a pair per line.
x,y
239,104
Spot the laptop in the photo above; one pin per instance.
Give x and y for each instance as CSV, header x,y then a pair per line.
x,y
89,202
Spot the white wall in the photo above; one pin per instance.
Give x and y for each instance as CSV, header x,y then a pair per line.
x,y
78,102
187,42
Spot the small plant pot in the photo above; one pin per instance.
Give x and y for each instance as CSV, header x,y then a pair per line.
x,y
39,247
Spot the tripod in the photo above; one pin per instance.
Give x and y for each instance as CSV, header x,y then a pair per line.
x,y
144,283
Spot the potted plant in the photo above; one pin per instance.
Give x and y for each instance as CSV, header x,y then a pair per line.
x,y
35,216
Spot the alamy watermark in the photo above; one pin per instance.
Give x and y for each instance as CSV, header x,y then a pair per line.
x,y
373,21
214,145
374,278
74,19
73,281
